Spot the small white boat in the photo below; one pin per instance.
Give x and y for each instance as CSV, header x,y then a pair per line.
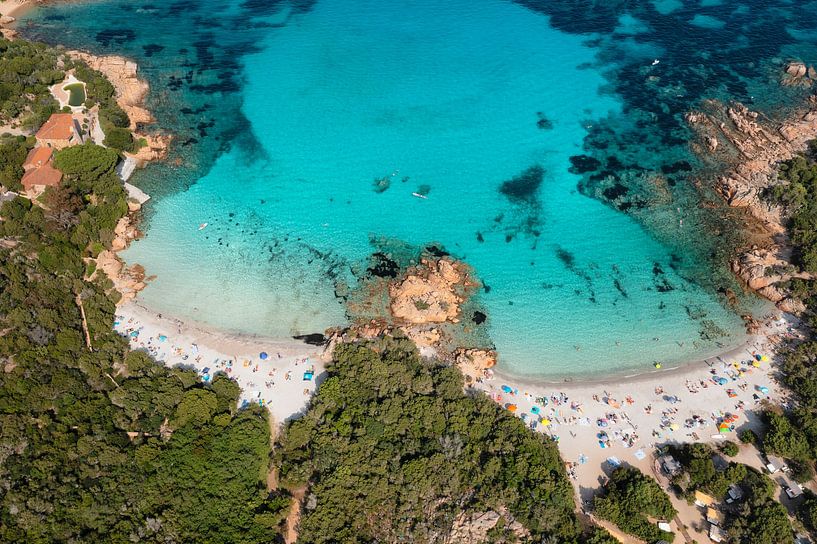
x,y
418,195
203,226
656,61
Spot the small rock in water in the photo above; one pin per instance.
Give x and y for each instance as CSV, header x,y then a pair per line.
x,y
382,184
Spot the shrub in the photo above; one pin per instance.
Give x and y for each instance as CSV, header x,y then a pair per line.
x,y
748,437
118,138
629,498
729,448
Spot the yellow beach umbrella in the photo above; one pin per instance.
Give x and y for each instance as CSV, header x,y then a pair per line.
x,y
545,421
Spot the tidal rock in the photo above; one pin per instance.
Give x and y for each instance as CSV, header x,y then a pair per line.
x,y
796,69
6,19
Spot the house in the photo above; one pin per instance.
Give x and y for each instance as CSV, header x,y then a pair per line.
x,y
37,157
703,500
38,179
60,131
39,173
775,463
715,517
716,534
792,488
735,492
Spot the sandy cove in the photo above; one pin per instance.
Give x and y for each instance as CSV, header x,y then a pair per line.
x,y
639,413
277,382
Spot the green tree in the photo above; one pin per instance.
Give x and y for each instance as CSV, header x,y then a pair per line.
x,y
630,498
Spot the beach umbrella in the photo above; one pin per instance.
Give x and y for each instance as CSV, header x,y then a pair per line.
x,y
511,407
721,381
582,459
506,389
614,403
758,357
545,421
723,428
602,444
657,365
534,410
674,427
263,355
162,338
763,389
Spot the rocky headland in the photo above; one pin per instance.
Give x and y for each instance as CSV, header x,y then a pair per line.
x,y
752,146
431,303
131,94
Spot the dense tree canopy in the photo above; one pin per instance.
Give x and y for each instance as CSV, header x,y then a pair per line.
x,y
634,502
105,445
393,450
26,71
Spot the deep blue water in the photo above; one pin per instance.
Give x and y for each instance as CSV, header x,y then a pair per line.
x,y
536,129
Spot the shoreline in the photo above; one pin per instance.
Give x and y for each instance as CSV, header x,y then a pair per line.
x,y
630,375
275,381
16,8
601,424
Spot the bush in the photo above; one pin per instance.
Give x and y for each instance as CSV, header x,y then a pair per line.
x,y
118,138
729,448
629,498
748,437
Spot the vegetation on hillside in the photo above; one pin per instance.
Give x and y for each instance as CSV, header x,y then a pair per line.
x,y
798,195
104,445
634,502
13,151
26,71
393,450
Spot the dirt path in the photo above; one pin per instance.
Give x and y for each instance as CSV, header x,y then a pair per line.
x,y
294,516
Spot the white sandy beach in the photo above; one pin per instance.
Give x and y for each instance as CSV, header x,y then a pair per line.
x,y
639,413
277,382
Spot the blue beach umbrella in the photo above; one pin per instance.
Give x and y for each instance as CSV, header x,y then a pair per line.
x,y
534,410
506,389
721,381
263,355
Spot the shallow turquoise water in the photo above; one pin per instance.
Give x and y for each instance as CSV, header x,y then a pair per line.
x,y
342,92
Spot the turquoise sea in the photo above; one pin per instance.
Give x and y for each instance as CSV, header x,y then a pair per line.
x,y
531,128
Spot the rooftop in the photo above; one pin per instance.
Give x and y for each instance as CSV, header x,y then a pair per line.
x,y
37,157
45,175
60,126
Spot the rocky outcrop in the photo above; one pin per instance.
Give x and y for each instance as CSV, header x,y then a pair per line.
x,y
475,363
752,147
432,292
427,298
473,528
131,92
127,280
